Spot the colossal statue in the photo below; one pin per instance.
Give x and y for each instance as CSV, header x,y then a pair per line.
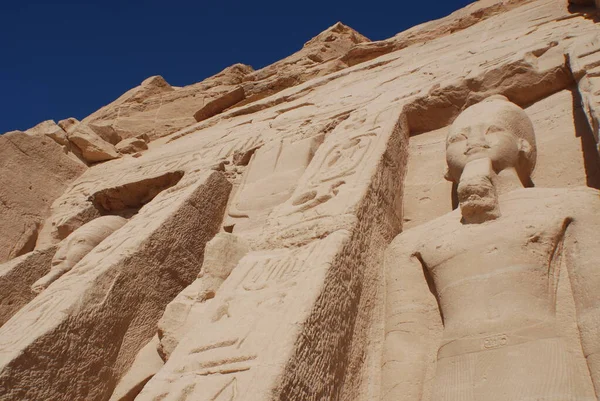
x,y
471,297
76,246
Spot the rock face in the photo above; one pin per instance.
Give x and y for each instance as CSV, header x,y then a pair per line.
x,y
92,147
76,246
159,250
131,145
34,172
157,109
16,278
221,256
414,218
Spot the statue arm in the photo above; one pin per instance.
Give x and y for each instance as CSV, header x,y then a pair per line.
x,y
411,311
582,244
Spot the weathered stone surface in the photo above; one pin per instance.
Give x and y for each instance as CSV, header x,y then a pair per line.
x,y
72,249
480,286
221,255
100,314
68,123
51,130
131,145
219,104
16,278
147,362
156,109
331,153
318,57
461,19
34,171
93,148
106,131
165,109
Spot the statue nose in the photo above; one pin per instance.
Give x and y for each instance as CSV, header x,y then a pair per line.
x,y
477,139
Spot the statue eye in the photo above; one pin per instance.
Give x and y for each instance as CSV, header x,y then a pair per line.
x,y
456,138
493,129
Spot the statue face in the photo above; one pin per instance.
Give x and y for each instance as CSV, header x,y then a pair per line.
x,y
483,131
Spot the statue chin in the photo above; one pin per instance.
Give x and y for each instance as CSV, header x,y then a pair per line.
x,y
478,199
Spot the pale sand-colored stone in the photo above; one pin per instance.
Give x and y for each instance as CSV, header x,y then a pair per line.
x,y
68,124
93,148
101,313
157,109
54,131
147,362
106,131
471,297
221,255
16,278
560,127
34,171
131,145
301,316
51,130
72,249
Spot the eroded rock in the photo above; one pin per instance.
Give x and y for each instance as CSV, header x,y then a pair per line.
x,y
221,255
16,278
89,325
131,145
51,130
93,148
34,172
71,250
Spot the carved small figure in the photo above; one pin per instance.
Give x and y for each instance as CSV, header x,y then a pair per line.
x,y
76,246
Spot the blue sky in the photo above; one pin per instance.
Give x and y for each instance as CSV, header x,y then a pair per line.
x,y
68,59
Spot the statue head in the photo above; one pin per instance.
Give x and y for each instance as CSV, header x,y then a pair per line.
x,y
496,129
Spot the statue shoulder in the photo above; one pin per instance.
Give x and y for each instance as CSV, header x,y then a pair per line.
x,y
570,202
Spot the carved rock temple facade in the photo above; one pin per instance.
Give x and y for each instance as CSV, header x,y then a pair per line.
x,y
407,219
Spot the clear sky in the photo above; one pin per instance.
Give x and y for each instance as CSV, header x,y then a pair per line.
x,y
67,59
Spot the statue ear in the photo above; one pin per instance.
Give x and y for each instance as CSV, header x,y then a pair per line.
x,y
525,148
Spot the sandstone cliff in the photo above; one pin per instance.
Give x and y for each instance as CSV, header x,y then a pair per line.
x,y
261,209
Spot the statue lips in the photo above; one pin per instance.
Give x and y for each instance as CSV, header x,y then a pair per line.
x,y
476,149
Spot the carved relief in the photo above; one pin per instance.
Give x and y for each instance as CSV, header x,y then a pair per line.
x,y
264,295
339,161
269,180
584,60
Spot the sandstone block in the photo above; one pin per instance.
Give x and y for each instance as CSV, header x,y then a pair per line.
x,y
219,104
131,145
106,131
28,192
221,255
147,363
68,123
84,330
16,278
93,148
51,130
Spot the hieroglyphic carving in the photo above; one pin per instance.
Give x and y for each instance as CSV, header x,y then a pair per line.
x,y
270,178
263,299
333,184
584,60
339,161
221,256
